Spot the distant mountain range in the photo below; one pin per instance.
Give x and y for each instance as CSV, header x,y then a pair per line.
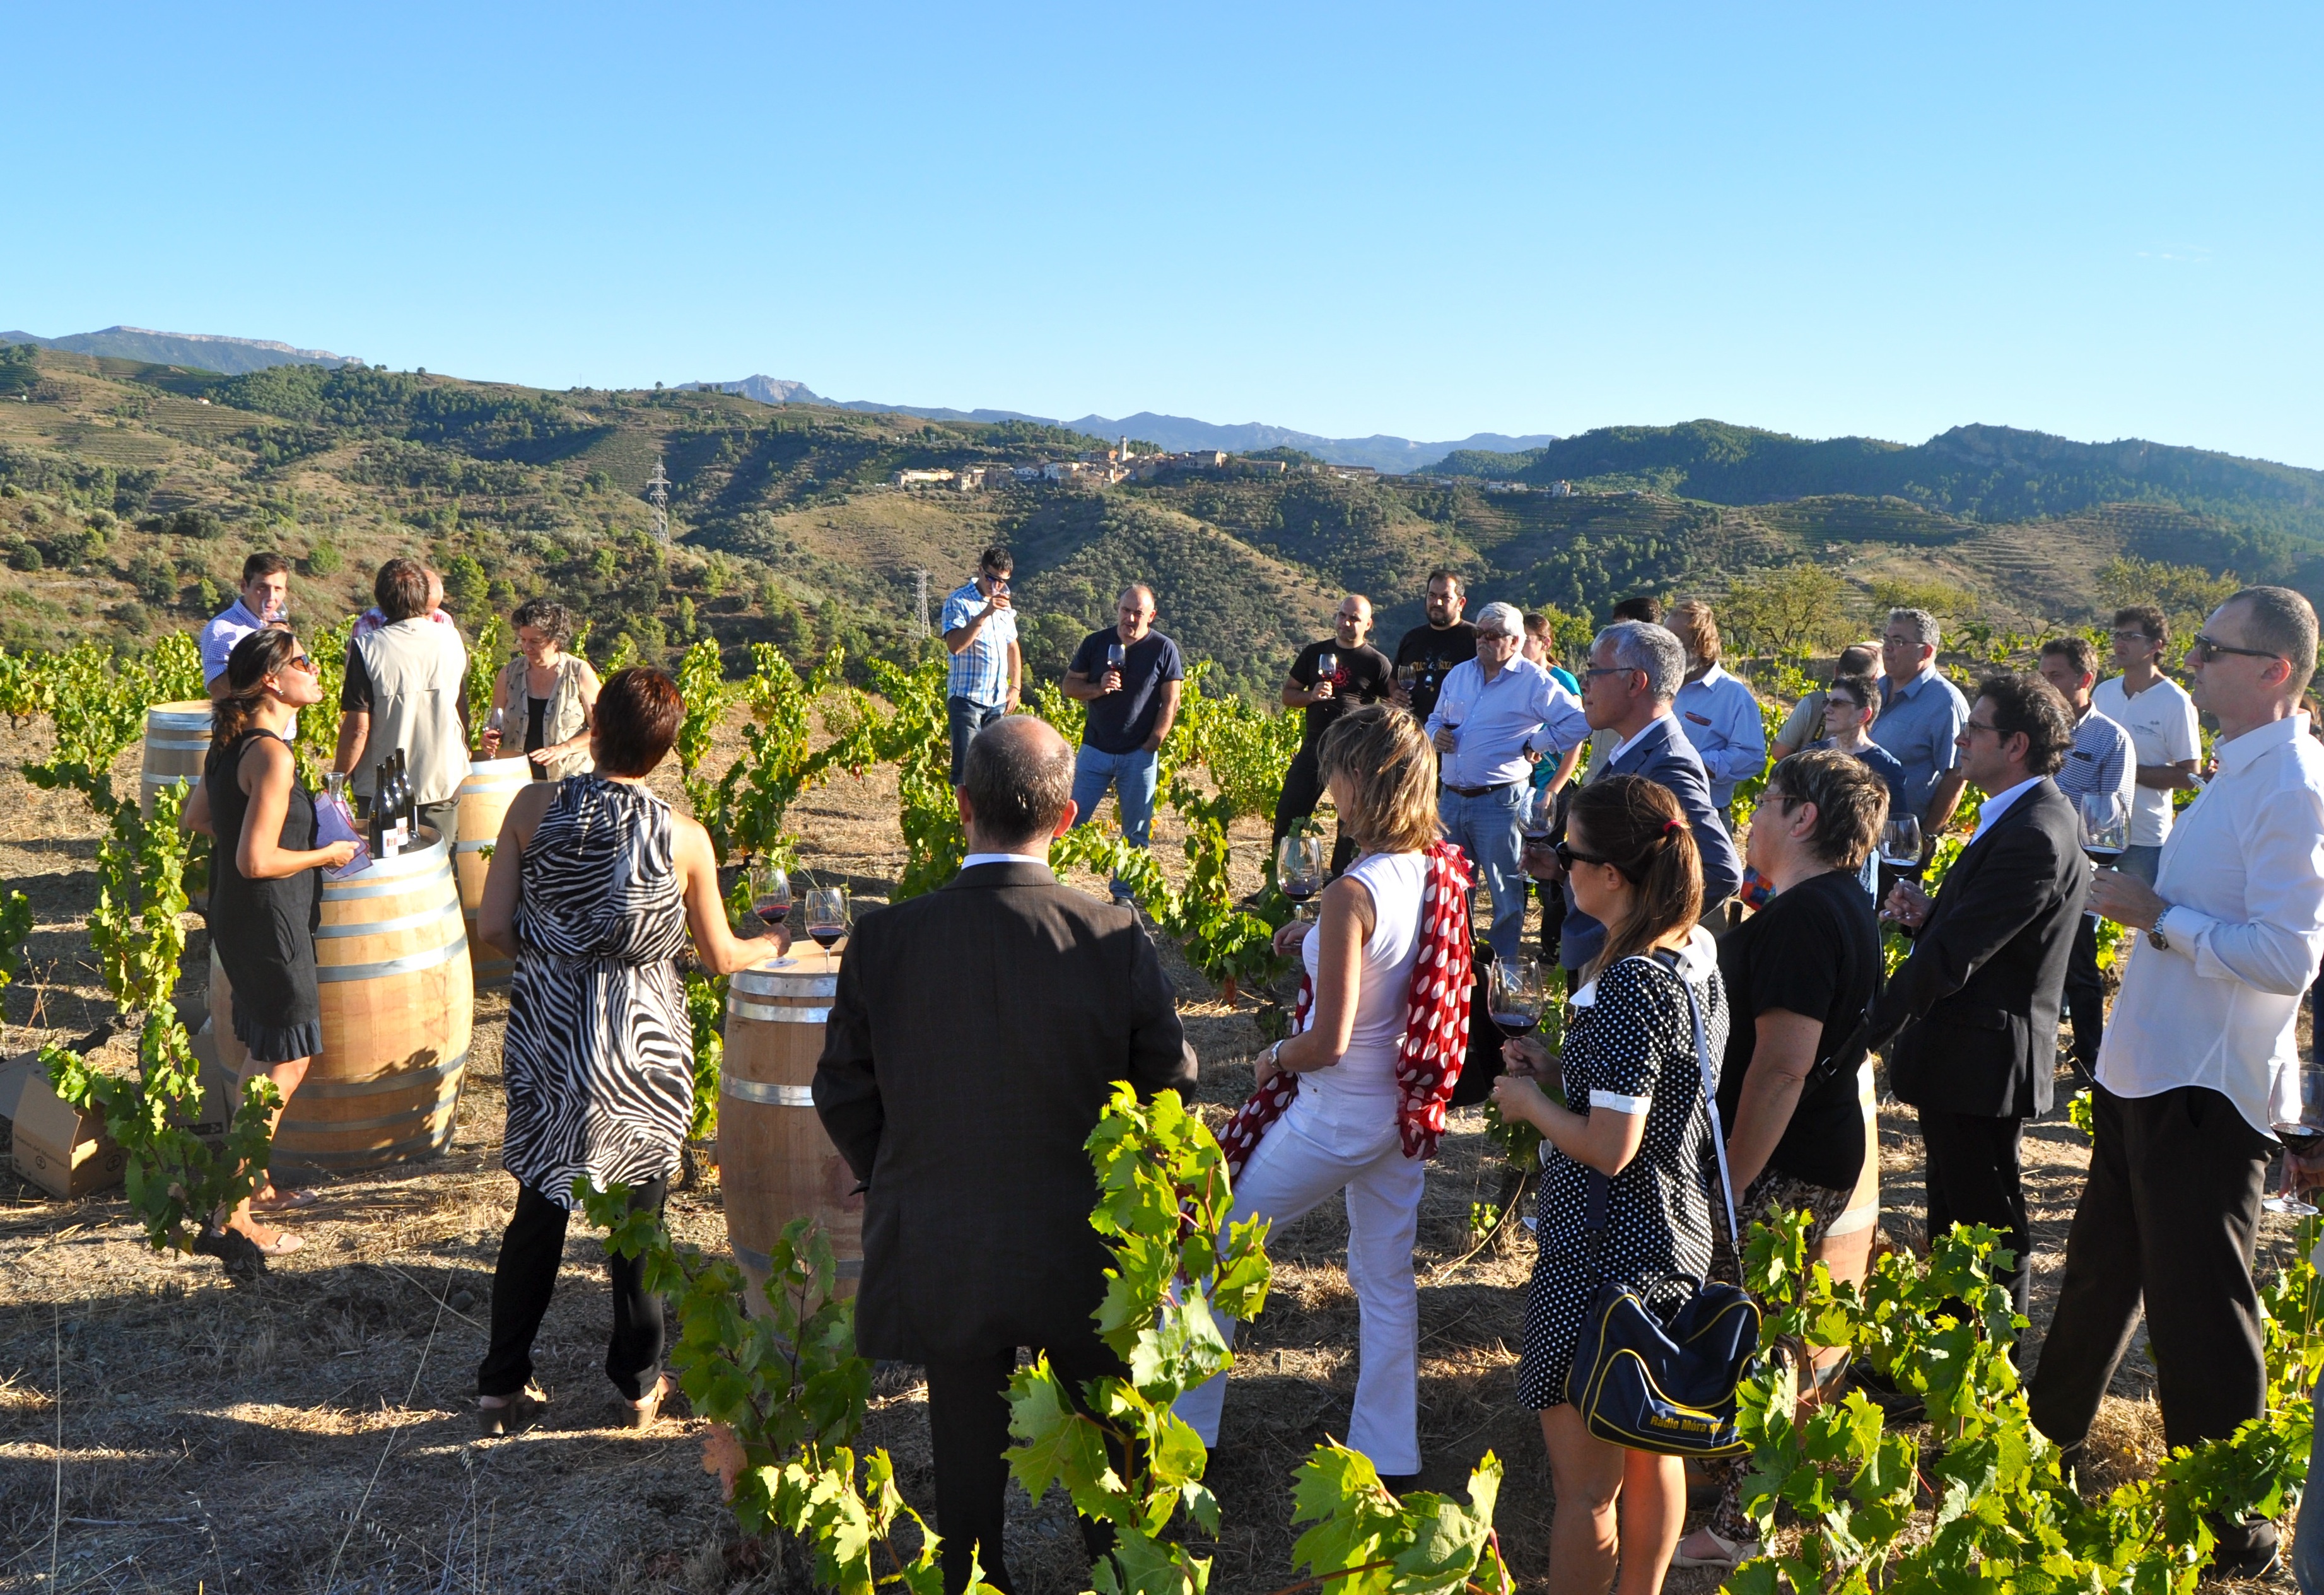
x,y
1177,432
204,351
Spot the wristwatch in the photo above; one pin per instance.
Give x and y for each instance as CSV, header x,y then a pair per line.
x,y
2155,938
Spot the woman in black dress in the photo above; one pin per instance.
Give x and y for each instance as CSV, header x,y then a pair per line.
x,y
265,897
1635,1080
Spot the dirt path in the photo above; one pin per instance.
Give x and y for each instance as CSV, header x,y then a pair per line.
x,y
312,1432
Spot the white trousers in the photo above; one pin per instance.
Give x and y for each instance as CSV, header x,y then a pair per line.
x,y
1302,1159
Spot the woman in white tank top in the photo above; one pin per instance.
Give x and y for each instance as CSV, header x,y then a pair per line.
x,y
1342,1131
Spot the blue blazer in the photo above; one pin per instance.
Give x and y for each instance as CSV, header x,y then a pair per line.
x,y
1662,754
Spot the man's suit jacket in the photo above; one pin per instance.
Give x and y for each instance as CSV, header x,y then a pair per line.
x,y
1974,1010
973,1039
1661,754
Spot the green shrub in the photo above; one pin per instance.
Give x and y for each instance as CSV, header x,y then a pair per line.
x,y
25,556
322,560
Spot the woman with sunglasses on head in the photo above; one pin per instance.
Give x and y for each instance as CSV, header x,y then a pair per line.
x,y
265,897
1635,1077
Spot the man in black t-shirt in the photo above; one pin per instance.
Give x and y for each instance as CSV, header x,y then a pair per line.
x,y
1132,701
1360,674
1799,974
1428,653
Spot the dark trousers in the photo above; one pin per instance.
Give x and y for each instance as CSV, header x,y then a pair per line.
x,y
531,1249
1303,789
968,1429
1974,1177
2086,996
2171,1212
965,718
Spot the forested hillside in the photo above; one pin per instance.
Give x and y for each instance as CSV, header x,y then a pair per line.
x,y
129,493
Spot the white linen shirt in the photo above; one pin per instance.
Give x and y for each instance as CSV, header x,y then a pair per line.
x,y
2243,875
1997,803
1493,722
1718,715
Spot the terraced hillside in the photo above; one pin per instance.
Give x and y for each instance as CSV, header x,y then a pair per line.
x,y
130,493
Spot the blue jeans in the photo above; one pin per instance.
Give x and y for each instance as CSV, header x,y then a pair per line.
x,y
966,717
1133,777
1486,829
2145,862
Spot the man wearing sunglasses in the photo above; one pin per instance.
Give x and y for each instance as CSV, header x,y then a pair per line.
x,y
2200,1068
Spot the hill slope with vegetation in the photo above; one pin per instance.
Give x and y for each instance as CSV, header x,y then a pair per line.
x,y
129,493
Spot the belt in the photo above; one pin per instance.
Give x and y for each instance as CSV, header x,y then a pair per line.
x,y
1478,792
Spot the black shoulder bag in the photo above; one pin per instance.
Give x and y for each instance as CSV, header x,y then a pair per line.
x,y
1657,1382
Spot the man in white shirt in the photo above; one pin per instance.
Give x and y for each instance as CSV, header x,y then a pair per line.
x,y
2161,719
1716,711
265,601
2200,1063
1494,715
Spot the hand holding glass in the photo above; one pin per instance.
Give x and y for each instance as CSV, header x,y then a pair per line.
x,y
1514,991
2301,1139
1301,865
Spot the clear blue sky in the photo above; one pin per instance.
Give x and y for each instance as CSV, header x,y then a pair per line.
x,y
2097,220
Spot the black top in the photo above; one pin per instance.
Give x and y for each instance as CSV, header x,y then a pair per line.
x,y
536,735
1813,950
1433,653
1361,676
263,931
1121,722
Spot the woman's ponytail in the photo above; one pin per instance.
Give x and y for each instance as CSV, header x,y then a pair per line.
x,y
1637,825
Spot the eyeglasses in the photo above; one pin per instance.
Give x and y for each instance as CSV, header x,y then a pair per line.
x,y
2133,634
301,662
1610,670
1969,725
2203,649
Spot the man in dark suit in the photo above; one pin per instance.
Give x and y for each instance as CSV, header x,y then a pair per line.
x,y
1974,1011
1633,676
973,1042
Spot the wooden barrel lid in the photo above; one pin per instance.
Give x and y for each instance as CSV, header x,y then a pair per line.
x,y
187,717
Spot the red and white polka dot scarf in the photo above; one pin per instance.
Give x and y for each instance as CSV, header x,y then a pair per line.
x,y
1435,1023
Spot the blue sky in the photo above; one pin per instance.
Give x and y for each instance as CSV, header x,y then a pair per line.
x,y
2102,221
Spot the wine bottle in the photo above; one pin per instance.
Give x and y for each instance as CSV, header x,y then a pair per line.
x,y
380,835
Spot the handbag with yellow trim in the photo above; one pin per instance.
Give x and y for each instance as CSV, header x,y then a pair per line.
x,y
1666,1381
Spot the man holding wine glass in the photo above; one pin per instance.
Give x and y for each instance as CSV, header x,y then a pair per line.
x,y
987,668
2200,1074
1921,718
2100,775
1129,675
1325,679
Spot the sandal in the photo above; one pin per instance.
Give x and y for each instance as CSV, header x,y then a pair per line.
x,y
281,1243
641,1414
514,1415
1731,1553
283,1201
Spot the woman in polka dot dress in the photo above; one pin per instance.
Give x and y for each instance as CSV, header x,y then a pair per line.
x,y
1631,1068
1343,1130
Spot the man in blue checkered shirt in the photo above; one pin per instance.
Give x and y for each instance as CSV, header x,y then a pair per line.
x,y
988,669
2102,760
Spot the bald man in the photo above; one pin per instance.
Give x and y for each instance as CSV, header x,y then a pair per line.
x,y
1358,673
973,1040
1130,676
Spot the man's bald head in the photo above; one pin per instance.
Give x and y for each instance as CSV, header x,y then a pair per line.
x,y
1016,786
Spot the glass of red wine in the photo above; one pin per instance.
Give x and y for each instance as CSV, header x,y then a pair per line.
x,y
1301,862
2106,827
1115,656
826,914
770,894
1514,991
2301,1139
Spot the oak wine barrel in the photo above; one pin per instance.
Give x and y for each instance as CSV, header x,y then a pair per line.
x,y
398,1001
775,1162
177,742
491,785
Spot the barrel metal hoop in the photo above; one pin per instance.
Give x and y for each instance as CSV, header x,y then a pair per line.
x,y
759,1262
472,786
178,744
401,1081
413,860
334,892
470,846
765,1094
777,983
413,964
442,1104
382,926
738,1009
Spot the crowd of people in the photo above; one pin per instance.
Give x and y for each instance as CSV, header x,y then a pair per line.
x,y
1726,991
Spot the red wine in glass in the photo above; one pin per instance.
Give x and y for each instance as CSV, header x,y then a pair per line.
x,y
773,913
1515,1024
826,937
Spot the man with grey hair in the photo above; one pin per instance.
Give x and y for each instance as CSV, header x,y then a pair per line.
x,y
994,1016
1497,714
2199,1076
1634,674
1921,718
1130,677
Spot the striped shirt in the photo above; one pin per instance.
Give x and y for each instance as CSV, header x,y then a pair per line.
x,y
979,672
2101,760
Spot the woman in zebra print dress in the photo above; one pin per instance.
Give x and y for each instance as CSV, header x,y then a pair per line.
x,y
595,884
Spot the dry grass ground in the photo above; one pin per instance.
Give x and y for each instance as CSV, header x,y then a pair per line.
x,y
164,1430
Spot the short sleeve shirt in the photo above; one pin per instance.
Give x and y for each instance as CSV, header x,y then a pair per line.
x,y
218,638
1121,722
1359,675
1432,654
979,672
2162,731
1814,951
1918,722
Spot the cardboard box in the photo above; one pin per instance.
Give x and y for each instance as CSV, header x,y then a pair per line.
x,y
59,1148
12,1076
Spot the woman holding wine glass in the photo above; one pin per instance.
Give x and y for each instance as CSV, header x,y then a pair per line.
x,y
1353,1099
596,884
546,692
